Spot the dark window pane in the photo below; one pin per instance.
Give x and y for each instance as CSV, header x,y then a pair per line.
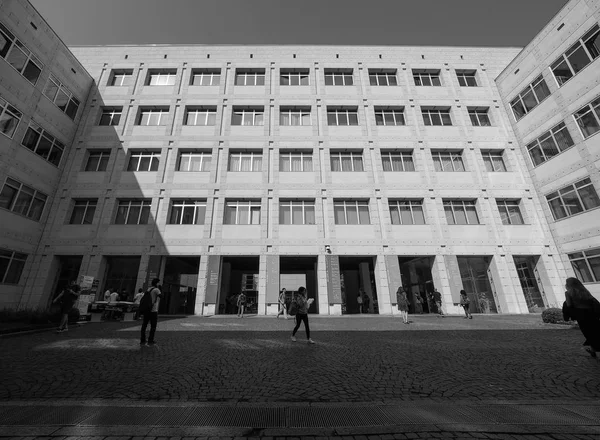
x,y
561,71
17,58
32,72
593,45
61,100
589,197
14,272
71,110
7,196
541,90
578,58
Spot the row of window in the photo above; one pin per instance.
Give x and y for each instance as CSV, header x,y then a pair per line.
x,y
290,77
28,65
292,116
293,212
578,56
294,161
558,139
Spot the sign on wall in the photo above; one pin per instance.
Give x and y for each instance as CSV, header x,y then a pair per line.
x,y
213,268
334,288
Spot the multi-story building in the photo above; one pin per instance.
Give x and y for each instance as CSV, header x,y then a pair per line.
x,y
551,92
348,170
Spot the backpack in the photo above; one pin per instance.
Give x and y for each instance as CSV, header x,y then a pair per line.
x,y
146,303
293,308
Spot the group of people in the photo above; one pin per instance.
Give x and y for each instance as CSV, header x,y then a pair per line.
x,y
404,304
363,300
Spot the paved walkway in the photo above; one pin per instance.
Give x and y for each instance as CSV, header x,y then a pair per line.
x,y
508,375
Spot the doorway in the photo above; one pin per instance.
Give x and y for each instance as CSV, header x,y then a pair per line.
x,y
474,272
122,274
527,272
357,277
179,286
68,270
417,281
299,271
238,274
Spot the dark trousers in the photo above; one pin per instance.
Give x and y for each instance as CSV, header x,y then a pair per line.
x,y
302,318
151,317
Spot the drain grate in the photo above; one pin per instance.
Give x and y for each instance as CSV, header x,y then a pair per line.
x,y
327,417
434,414
238,417
530,415
24,415
110,416
172,416
61,415
591,413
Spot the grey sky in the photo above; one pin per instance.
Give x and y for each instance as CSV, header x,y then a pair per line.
x,y
376,22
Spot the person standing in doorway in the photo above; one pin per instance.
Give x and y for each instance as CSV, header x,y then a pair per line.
x,y
437,297
581,306
136,300
464,302
366,302
281,301
107,294
241,304
359,300
149,308
403,304
302,313
67,299
418,303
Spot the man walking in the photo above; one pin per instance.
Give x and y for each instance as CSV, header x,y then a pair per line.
x,y
149,308
437,297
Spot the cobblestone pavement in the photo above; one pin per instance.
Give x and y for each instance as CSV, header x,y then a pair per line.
x,y
355,361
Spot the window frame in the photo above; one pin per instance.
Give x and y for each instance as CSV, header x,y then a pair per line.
x,y
581,43
214,76
348,204
345,76
31,193
256,115
15,256
382,78
303,156
465,75
592,108
403,155
71,102
254,206
198,207
504,206
430,74
256,161
121,74
112,113
13,43
204,164
301,76
156,75
412,205
565,190
6,108
92,153
461,204
139,156
479,116
490,155
258,77
356,157
299,113
529,89
149,112
438,160
585,256
427,113
87,205
210,116
397,114
305,206
347,112
144,211
541,144
42,134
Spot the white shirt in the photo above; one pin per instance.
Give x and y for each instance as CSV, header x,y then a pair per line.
x,y
155,298
114,297
107,295
138,297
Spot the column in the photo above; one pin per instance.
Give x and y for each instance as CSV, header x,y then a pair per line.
x,y
394,278
334,288
323,295
272,285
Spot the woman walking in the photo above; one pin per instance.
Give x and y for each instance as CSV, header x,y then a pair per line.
x,y
581,306
303,305
464,302
403,304
282,309
241,304
67,299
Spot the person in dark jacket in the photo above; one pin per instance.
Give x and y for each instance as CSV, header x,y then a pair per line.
x,y
67,299
581,306
302,314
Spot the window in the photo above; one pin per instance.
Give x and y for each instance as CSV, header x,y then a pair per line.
x,y
346,161
97,160
83,212
205,77
11,266
159,77
18,56
342,116
120,78
295,161
338,77
427,77
448,161
510,212
242,212
461,212
389,116
9,118
529,97
407,212
586,265
60,95
493,161
435,116
397,161
250,77
43,144
383,77
245,161
143,161
479,116
573,199
588,118
200,115
247,116
579,55
187,212
133,212
194,161
466,78
297,212
291,77
111,115
153,116
294,116
351,212
553,142
22,199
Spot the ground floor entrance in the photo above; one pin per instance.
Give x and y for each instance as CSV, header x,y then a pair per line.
x,y
238,274
417,281
475,277
357,281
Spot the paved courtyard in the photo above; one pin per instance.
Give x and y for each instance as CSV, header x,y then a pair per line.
x,y
374,363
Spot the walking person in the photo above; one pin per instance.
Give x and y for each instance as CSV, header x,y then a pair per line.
x,y
418,304
241,304
366,302
67,299
359,300
281,300
464,302
437,297
303,304
149,309
403,303
581,306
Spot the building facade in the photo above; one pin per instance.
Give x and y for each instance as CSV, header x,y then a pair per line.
x,y
558,130
349,170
